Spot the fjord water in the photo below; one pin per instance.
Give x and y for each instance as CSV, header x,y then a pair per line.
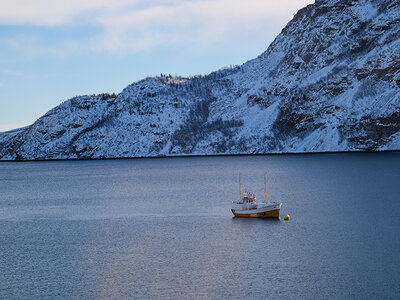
x,y
162,228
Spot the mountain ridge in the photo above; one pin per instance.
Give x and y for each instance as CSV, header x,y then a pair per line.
x,y
329,82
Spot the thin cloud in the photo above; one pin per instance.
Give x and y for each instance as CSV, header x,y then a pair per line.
x,y
11,126
9,72
198,23
55,12
134,26
34,46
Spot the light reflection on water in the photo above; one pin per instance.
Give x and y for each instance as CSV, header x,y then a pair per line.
x,y
162,228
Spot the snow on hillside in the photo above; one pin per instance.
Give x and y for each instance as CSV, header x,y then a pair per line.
x,y
329,82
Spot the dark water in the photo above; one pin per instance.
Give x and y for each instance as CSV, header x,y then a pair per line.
x,y
162,228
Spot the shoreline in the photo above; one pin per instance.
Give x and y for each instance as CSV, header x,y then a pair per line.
x,y
204,155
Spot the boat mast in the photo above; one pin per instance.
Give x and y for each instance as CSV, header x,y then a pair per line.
x,y
265,187
240,185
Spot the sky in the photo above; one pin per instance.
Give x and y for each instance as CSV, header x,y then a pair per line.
x,y
52,50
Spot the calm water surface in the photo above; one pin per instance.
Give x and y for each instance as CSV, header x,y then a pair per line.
x,y
162,228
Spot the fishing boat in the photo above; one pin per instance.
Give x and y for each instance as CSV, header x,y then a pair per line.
x,y
247,206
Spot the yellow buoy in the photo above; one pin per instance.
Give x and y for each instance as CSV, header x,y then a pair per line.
x,y
286,218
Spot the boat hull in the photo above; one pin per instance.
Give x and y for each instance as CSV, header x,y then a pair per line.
x,y
256,214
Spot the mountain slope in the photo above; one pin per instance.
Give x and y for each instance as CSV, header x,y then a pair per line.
x,y
329,82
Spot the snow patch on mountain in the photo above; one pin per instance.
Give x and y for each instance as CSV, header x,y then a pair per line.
x,y
365,10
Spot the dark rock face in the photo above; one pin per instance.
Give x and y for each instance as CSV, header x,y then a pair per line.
x,y
329,82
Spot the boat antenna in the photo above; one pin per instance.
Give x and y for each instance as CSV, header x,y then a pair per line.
x,y
265,187
240,185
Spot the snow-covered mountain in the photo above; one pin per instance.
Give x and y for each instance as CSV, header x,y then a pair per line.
x,y
329,82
